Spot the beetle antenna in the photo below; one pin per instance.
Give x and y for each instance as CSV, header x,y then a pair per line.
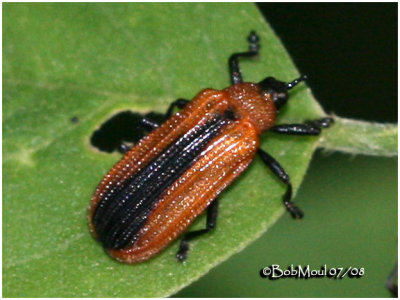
x,y
295,82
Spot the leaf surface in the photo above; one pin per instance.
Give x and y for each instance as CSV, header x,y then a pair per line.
x,y
90,61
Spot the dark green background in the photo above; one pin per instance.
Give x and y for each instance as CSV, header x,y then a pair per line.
x,y
349,52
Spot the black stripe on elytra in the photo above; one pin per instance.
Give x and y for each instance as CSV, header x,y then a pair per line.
x,y
108,206
124,212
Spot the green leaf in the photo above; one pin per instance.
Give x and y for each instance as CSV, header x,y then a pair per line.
x,y
359,137
91,61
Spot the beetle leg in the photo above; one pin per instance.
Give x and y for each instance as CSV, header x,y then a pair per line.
x,y
212,213
179,103
142,127
123,148
234,69
307,128
145,122
277,169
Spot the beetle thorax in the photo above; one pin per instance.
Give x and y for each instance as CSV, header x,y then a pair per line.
x,y
251,103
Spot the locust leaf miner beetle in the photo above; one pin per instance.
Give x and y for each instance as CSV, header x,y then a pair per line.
x,y
152,195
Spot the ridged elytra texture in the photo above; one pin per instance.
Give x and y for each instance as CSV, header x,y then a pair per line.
x,y
154,193
125,208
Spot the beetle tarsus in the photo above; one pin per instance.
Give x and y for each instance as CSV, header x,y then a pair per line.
x,y
179,103
212,214
234,68
294,210
254,41
312,127
183,251
322,123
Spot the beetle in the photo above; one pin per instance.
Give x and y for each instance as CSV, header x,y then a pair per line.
x,y
152,195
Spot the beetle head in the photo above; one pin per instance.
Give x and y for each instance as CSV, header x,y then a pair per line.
x,y
279,89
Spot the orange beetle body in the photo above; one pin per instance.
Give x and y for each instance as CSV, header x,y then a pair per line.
x,y
152,195
224,158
